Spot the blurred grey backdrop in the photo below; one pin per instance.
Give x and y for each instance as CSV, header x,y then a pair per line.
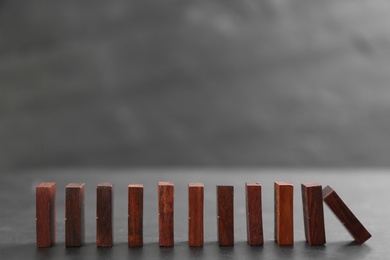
x,y
301,83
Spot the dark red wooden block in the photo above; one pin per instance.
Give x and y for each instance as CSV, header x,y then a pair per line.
x,y
225,200
104,220
166,213
345,215
46,214
313,213
135,215
284,220
74,215
254,215
195,214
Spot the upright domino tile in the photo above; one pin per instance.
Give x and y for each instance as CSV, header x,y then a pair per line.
x,y
313,213
254,215
166,214
284,218
104,220
225,201
135,215
74,215
345,215
45,194
195,214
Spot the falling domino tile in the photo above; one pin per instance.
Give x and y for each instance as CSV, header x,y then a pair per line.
x,y
195,214
254,218
135,215
313,213
225,200
74,215
46,214
104,220
345,215
166,213
284,220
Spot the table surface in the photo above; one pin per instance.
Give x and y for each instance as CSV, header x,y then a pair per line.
x,y
364,191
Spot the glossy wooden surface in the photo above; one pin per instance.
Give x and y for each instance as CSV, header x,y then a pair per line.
x,y
254,214
45,214
345,215
104,214
365,191
225,211
135,215
313,213
195,214
166,214
74,215
284,213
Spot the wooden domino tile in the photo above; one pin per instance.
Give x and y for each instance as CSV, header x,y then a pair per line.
x,y
104,210
45,214
74,215
135,215
195,214
284,220
313,213
254,215
225,201
345,215
166,213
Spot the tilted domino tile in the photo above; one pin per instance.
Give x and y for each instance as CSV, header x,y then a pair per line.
x,y
345,215
313,213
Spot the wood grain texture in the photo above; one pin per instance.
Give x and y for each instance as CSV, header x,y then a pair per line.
x,y
345,215
166,213
135,215
195,214
254,214
225,211
313,213
104,219
284,218
74,215
45,194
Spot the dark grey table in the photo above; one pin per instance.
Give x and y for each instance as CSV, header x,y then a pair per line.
x,y
366,192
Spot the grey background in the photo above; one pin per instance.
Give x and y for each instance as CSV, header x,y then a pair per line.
x,y
194,83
